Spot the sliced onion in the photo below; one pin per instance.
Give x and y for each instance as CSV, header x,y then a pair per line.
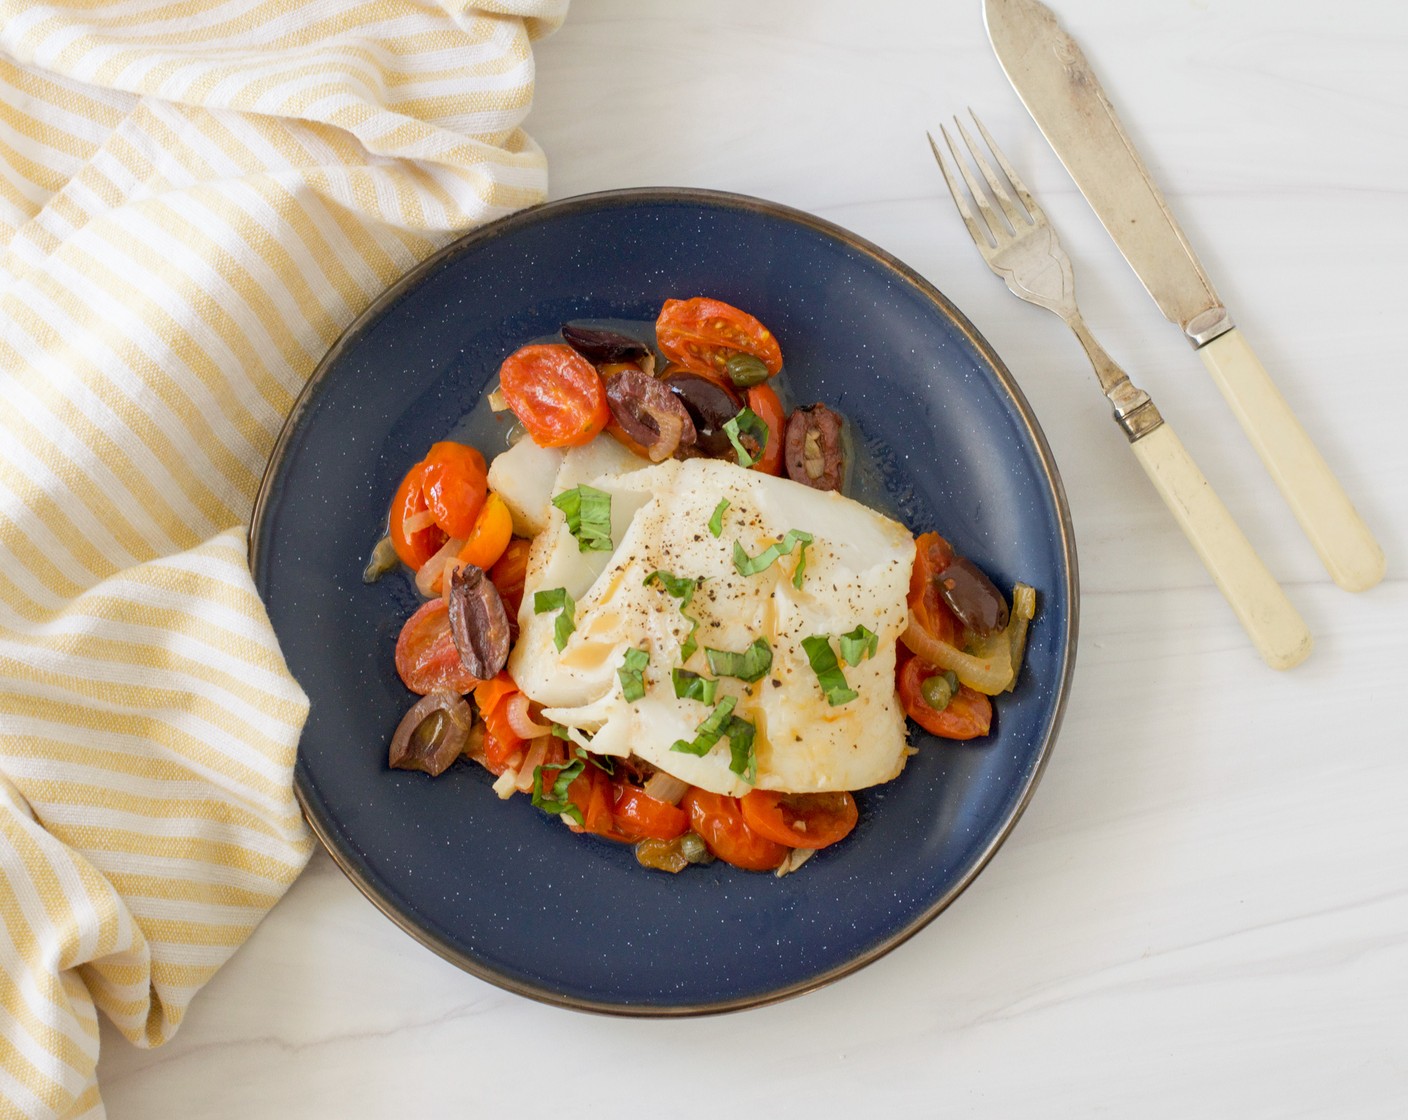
x,y
671,428
506,784
415,522
521,720
433,568
537,752
665,787
497,401
989,671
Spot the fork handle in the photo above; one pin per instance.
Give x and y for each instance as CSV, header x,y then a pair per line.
x,y
1346,546
1272,623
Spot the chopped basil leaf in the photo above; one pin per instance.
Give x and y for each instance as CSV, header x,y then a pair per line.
x,y
588,513
716,522
742,760
752,565
827,670
600,761
749,422
560,730
691,686
632,676
860,643
681,588
555,800
557,599
710,731
750,665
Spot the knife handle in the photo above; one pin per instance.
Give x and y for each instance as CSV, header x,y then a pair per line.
x,y
1346,546
1272,623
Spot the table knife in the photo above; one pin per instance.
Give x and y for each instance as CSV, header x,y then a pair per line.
x,y
1063,95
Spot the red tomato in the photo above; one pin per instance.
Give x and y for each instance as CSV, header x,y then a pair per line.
x,y
719,821
800,820
455,484
556,394
415,548
703,334
591,791
508,573
426,656
933,554
501,742
640,816
763,401
968,715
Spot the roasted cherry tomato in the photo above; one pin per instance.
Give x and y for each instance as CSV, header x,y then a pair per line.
x,y
763,401
501,742
800,820
718,819
592,792
426,656
455,484
492,531
509,573
933,554
968,715
703,334
556,394
419,545
639,816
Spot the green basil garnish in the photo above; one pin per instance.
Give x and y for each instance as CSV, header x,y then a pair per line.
x,y
588,513
555,800
747,421
750,665
553,600
716,522
683,589
710,731
691,686
632,674
752,565
600,761
860,643
828,672
742,760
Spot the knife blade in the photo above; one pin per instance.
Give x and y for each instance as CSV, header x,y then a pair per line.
x,y
1052,77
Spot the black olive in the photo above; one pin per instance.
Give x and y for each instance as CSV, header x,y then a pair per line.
x,y
649,413
478,622
710,406
600,346
972,597
813,448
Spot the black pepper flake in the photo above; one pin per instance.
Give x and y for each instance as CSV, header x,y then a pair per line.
x,y
776,683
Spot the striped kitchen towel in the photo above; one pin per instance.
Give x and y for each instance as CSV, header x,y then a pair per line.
x,y
195,200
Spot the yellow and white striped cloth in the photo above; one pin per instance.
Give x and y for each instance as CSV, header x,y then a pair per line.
x,y
195,200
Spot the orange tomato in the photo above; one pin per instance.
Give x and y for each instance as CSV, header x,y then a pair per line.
x,y
703,334
968,715
800,820
426,657
764,403
933,554
454,479
492,531
555,393
416,547
719,821
509,572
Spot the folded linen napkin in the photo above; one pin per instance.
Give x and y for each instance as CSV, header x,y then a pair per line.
x,y
195,201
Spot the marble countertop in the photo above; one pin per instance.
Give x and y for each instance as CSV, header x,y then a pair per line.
x,y
1204,911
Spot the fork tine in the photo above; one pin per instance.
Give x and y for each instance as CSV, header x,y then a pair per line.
x,y
981,236
1012,177
999,189
995,224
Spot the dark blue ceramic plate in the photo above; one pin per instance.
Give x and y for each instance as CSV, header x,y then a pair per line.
x,y
505,891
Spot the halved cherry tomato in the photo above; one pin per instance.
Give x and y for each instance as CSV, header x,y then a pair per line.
x,y
492,531
639,816
763,401
719,821
592,792
455,484
508,574
501,742
968,715
426,656
703,334
556,394
800,820
932,555
414,548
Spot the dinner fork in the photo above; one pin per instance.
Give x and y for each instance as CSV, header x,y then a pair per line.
x,y
1021,247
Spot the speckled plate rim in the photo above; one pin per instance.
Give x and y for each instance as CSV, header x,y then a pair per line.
x,y
617,199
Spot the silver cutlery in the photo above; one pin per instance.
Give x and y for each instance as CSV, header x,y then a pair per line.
x,y
1022,248
1050,74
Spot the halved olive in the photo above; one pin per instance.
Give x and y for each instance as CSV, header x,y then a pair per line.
x,y
710,404
972,597
478,622
649,413
598,345
432,734
813,448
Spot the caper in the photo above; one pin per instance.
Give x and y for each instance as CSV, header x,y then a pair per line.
x,y
745,369
693,848
937,691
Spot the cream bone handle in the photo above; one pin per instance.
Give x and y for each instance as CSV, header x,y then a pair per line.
x,y
1346,546
1272,623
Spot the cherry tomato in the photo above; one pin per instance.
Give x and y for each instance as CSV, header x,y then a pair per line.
x,y
591,791
455,483
508,574
501,742
639,816
555,393
417,547
719,821
968,715
800,820
492,531
763,401
426,656
703,334
933,554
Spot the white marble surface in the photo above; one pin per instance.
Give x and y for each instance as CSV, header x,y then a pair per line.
x,y
1205,909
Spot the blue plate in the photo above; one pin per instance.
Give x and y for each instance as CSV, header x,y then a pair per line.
x,y
503,890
